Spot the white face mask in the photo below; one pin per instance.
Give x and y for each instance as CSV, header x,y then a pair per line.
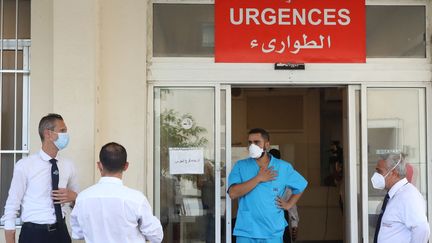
x,y
378,180
255,151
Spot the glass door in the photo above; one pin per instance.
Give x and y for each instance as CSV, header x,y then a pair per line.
x,y
395,122
190,125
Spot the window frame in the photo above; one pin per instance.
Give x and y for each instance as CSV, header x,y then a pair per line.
x,y
408,61
24,46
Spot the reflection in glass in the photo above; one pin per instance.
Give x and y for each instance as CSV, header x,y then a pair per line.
x,y
186,201
11,104
396,123
9,19
223,180
396,31
181,30
358,158
187,30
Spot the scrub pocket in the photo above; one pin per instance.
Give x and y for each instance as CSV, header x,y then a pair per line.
x,y
244,222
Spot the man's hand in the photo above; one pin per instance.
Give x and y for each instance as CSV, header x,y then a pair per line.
x,y
10,236
63,195
283,204
266,174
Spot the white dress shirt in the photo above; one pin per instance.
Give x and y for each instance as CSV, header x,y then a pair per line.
x,y
404,219
292,212
31,189
110,212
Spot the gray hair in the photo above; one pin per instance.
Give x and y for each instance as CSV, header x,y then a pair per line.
x,y
48,123
392,159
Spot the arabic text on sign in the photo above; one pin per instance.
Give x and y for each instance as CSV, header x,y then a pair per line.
x,y
186,161
285,45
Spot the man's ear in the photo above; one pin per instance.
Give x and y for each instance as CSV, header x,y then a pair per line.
x,y
99,166
46,134
395,172
267,145
126,166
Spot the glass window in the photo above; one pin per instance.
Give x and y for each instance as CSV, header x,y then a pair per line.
x,y
14,90
9,18
187,30
184,128
183,30
396,31
396,123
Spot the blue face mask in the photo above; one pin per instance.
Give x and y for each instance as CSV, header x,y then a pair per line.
x,y
62,140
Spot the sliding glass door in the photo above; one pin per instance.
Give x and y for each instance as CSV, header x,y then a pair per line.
x,y
396,123
189,162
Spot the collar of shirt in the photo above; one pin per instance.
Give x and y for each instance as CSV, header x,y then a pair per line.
x,y
396,187
272,161
110,179
44,156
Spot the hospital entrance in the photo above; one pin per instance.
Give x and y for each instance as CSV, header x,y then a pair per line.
x,y
306,124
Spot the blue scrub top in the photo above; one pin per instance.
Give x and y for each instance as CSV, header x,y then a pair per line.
x,y
258,215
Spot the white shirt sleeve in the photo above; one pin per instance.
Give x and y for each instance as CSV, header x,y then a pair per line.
x,y
292,212
73,181
420,233
16,194
149,225
293,216
416,220
77,232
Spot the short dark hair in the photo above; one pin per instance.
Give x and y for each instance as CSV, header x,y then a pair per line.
x,y
275,153
47,122
113,157
261,131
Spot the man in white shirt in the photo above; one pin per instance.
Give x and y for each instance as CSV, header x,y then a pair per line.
x,y
110,212
291,215
41,184
403,216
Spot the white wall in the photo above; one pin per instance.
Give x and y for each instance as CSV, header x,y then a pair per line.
x,y
88,63
121,92
74,74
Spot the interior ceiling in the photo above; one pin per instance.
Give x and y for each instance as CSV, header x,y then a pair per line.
x,y
330,94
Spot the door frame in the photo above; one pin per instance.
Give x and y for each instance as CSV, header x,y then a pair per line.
x,y
364,195
153,188
351,181
357,200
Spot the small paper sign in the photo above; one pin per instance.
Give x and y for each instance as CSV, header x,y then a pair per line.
x,y
186,161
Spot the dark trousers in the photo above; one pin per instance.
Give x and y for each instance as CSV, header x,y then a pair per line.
x,y
287,234
36,233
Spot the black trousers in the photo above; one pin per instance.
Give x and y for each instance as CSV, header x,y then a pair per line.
x,y
287,234
35,233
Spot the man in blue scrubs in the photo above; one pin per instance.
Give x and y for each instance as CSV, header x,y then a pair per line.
x,y
259,183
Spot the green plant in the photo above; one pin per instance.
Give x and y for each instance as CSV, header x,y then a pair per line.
x,y
175,135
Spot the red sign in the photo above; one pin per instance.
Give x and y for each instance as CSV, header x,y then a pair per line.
x,y
293,31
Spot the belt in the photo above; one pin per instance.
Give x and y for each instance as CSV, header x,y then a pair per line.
x,y
47,227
